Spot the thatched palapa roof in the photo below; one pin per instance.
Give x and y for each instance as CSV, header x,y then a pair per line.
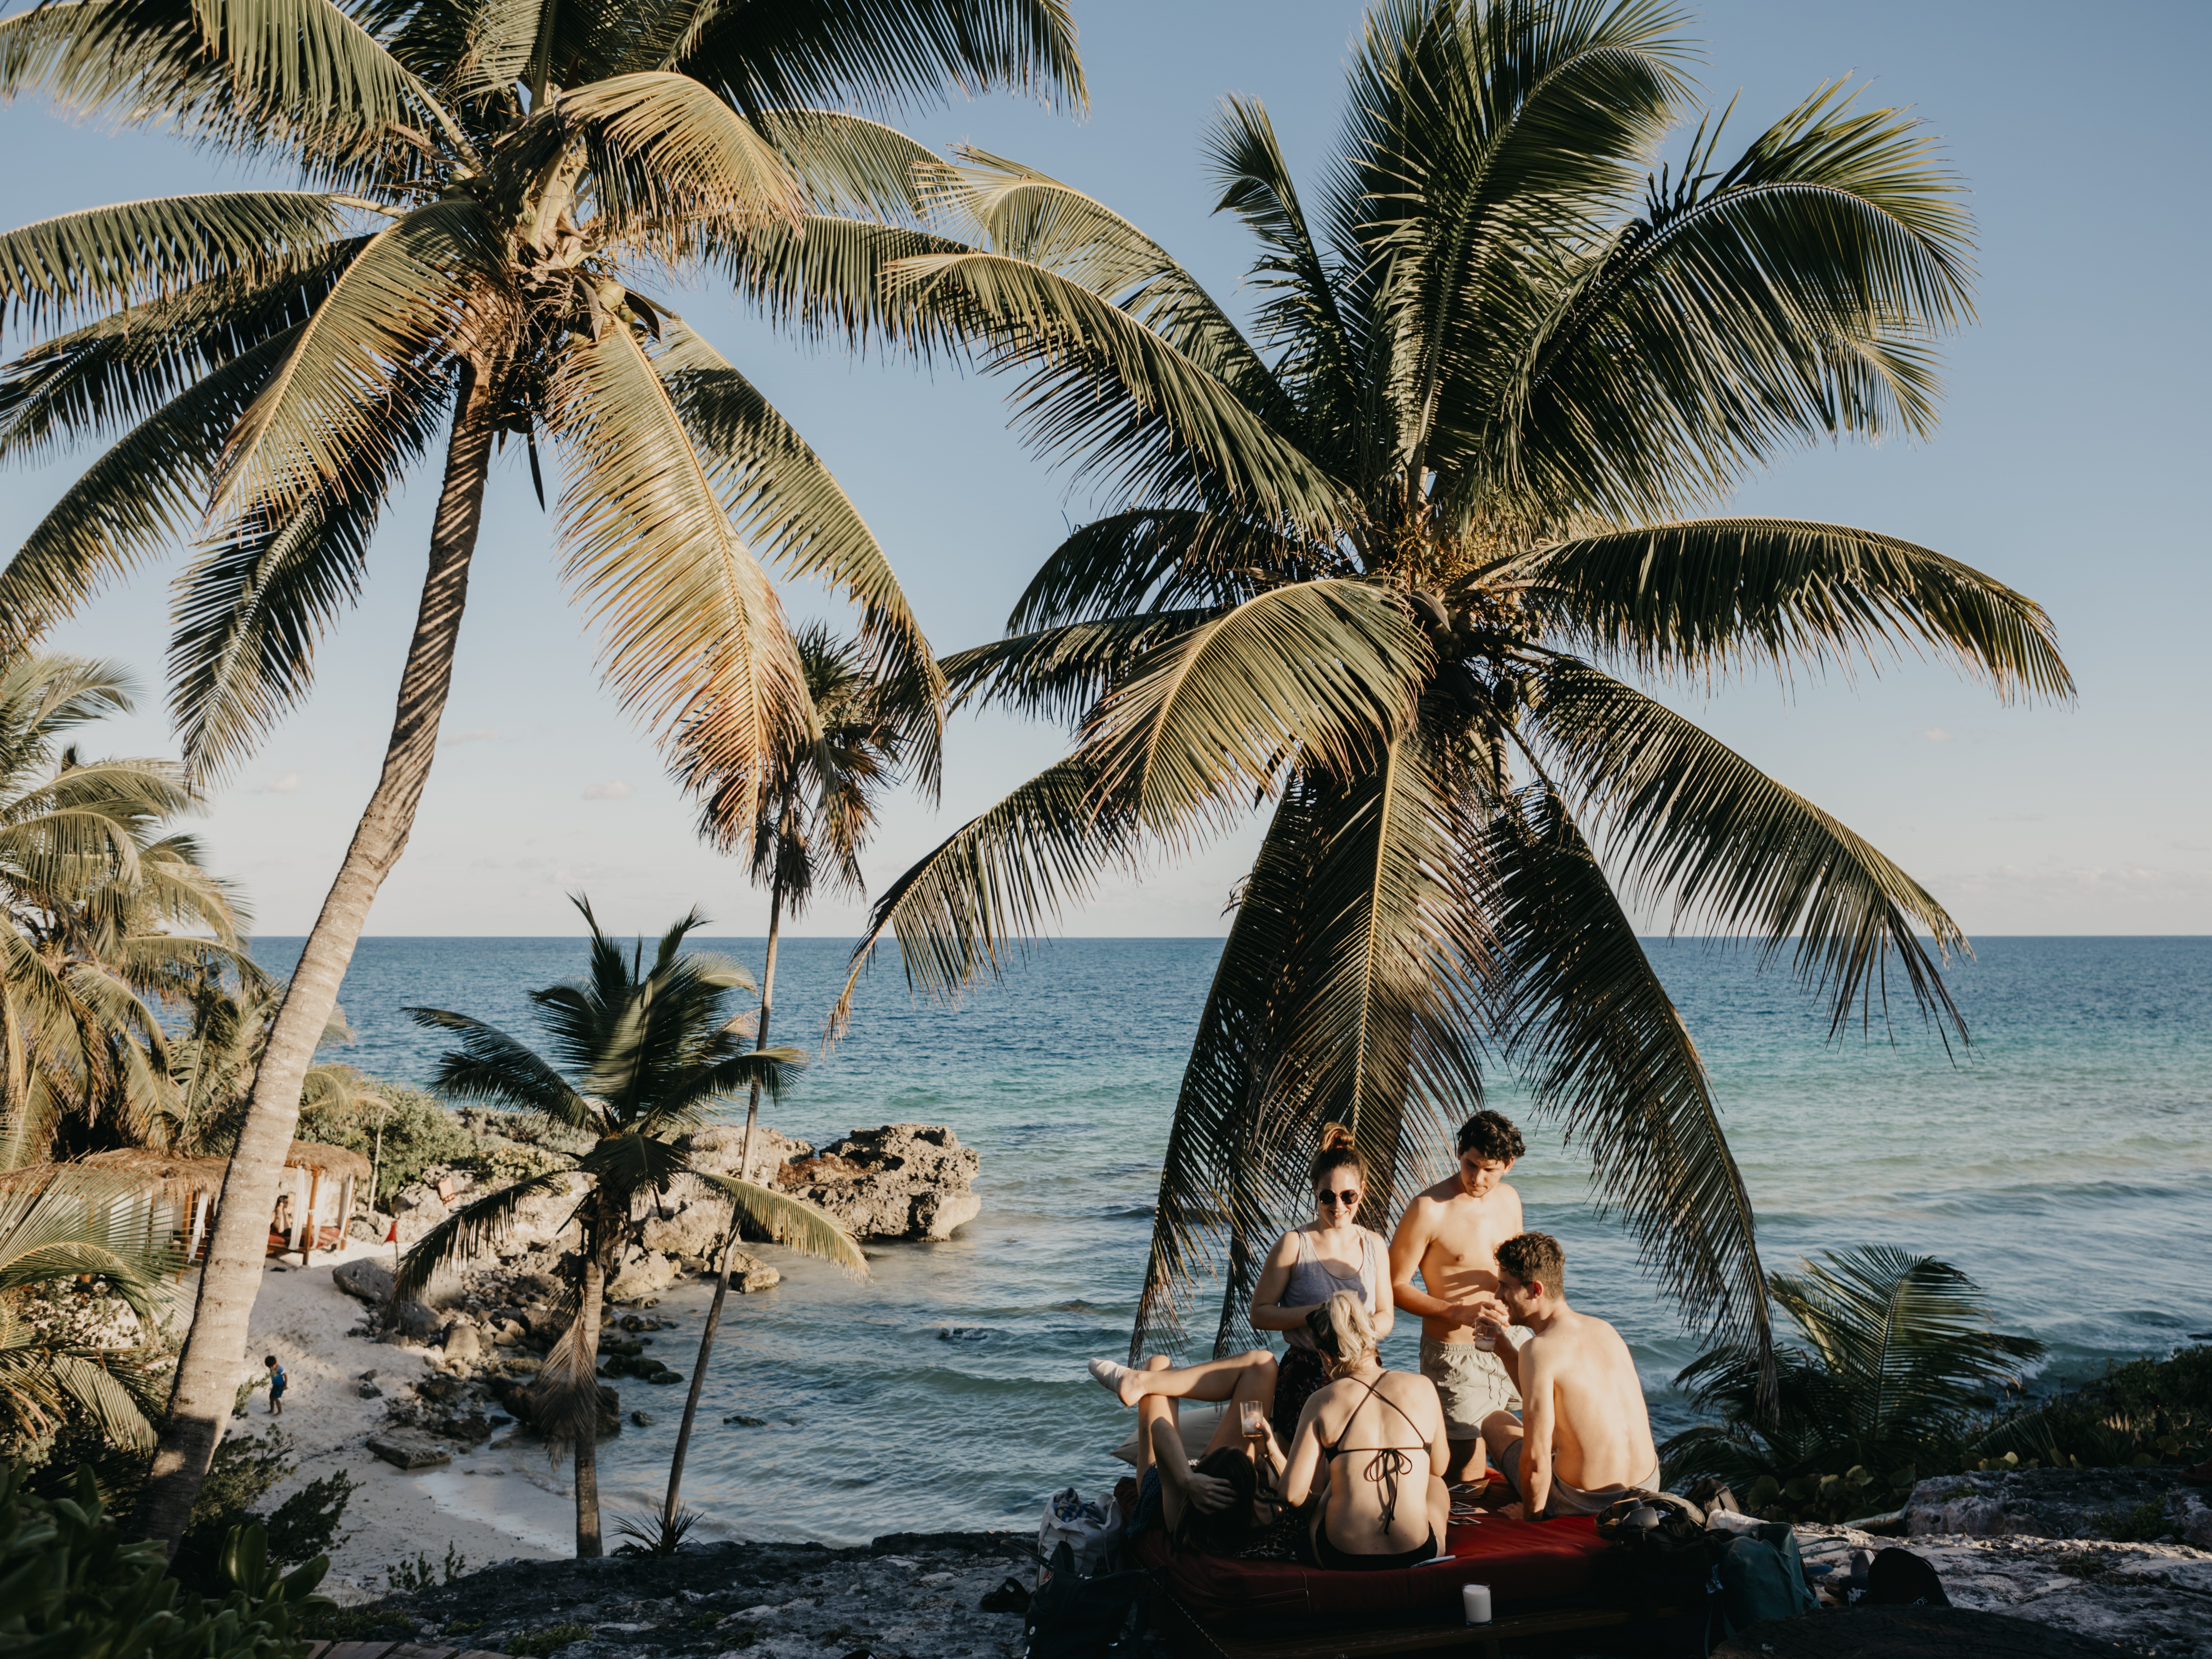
x,y
331,1160
181,1177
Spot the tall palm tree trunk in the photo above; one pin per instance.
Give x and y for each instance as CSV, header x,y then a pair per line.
x,y
207,1370
587,1435
729,1238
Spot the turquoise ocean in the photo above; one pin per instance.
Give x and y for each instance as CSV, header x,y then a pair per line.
x,y
2063,1159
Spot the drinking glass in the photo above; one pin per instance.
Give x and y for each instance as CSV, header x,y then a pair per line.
x,y
1248,1420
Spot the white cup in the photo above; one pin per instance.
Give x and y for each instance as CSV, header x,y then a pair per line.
x,y
1475,1599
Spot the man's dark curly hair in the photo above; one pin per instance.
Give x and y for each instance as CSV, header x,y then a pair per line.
x,y
1492,1137
1535,1259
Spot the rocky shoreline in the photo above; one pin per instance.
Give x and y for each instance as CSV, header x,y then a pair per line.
x,y
918,1596
905,1596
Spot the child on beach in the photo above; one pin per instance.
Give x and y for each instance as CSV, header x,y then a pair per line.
x,y
278,1381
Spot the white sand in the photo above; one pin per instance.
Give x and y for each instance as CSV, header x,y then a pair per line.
x,y
487,1505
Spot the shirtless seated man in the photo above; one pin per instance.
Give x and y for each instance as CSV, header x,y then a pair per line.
x,y
1587,1440
1450,1235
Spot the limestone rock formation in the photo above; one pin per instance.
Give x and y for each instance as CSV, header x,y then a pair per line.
x,y
902,1181
2059,1504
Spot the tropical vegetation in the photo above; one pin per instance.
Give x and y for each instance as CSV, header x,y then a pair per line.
x,y
1896,1377
76,1586
105,909
489,192
809,823
67,1373
638,1058
1404,569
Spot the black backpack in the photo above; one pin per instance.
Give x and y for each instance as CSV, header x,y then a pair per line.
x,y
1662,1557
1071,1617
1898,1578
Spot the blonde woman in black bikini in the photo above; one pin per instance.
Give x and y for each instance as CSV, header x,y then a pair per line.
x,y
1371,1445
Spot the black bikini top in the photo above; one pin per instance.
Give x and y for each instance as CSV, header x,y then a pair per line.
x,y
1389,1461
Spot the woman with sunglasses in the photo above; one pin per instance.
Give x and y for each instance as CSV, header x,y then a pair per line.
x,y
1310,1264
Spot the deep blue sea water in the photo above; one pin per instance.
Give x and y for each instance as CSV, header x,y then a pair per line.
x,y
2065,1160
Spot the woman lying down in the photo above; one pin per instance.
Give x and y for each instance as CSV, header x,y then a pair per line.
x,y
1363,1464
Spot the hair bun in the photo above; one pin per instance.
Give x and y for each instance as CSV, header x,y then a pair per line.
x,y
1333,1135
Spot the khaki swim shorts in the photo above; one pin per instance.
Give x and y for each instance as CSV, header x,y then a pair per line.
x,y
1471,1381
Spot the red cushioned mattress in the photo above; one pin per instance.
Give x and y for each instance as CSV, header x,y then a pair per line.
x,y
1520,1561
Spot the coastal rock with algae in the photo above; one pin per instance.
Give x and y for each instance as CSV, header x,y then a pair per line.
x,y
902,1181
2138,1506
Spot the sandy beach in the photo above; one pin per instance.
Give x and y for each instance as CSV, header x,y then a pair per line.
x,y
487,1505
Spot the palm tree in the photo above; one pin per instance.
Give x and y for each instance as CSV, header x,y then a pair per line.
x,y
54,1228
816,810
490,186
99,904
1390,568
1897,1365
213,1061
637,1059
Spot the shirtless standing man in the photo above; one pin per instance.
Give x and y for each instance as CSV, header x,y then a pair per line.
x,y
1586,1442
1450,1235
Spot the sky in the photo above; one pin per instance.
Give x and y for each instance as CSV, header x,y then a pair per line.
x,y
2069,464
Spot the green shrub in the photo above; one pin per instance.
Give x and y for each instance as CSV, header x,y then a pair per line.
x,y
421,1134
2138,1415
548,1639
72,1588
246,1468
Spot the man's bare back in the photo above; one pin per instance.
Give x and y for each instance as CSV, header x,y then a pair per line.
x,y
1449,1234
1600,1428
1583,1435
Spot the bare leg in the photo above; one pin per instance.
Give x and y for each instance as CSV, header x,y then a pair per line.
x,y
1215,1379
1499,1430
1152,1409
1468,1466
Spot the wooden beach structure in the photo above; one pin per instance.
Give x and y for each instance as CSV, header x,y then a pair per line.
x,y
314,1200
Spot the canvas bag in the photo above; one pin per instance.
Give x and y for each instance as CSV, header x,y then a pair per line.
x,y
1761,1576
1090,1530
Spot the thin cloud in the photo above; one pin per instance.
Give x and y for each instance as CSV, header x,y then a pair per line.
x,y
1937,734
481,734
616,791
286,785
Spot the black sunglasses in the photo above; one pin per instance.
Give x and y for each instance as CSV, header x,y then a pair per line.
x,y
1337,1198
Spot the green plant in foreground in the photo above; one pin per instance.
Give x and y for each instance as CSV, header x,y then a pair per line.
x,y
546,1639
247,1468
411,1574
72,1588
1894,1377
1410,568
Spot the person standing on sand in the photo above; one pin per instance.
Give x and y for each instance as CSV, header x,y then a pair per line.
x,y
1586,1441
277,1384
1450,1235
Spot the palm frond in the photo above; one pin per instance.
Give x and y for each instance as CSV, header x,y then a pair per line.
x,y
792,1221
1608,1053
693,636
997,881
100,258
251,608
1690,817
1712,592
784,501
1160,559
881,55
143,494
470,1231
669,161
1324,673
1796,293
1059,673
489,1065
848,165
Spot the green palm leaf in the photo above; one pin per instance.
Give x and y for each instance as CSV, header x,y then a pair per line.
x,y
105,257
671,161
693,636
1692,818
1325,673
782,500
1059,673
997,881
1713,593
1157,559
1580,1005
146,492
792,1221
475,1227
